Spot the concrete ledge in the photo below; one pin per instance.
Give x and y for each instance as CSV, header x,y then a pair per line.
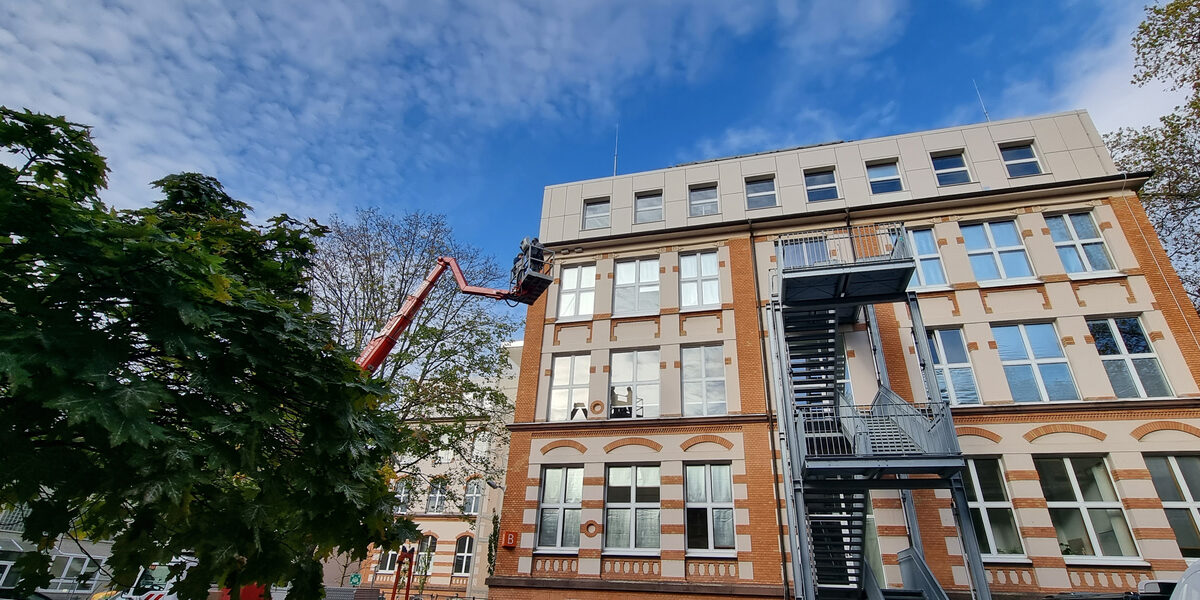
x,y
666,587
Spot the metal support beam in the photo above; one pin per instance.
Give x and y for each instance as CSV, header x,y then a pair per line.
x,y
970,544
923,352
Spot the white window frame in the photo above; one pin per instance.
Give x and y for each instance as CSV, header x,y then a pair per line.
x,y
943,367
893,162
1034,363
463,557
1126,357
473,497
698,207
1190,502
704,379
1020,161
481,447
59,582
761,194
632,507
966,168
995,251
576,391
638,408
1084,505
642,282
809,189
639,210
1078,243
444,455
561,504
426,551
599,221
435,502
988,505
387,562
700,279
404,492
708,505
584,277
922,259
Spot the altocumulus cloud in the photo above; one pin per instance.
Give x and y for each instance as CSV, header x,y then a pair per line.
x,y
310,108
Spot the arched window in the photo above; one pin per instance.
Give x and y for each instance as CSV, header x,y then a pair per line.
x,y
464,551
425,552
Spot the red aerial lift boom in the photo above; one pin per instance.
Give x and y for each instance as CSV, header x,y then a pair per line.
x,y
530,277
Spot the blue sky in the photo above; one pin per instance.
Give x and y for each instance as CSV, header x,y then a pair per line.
x,y
471,108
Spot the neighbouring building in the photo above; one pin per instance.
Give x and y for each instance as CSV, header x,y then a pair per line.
x,y
74,565
954,359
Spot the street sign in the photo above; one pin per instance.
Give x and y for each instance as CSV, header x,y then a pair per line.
x,y
355,579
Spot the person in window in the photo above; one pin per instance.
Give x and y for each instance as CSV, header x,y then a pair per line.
x,y
622,404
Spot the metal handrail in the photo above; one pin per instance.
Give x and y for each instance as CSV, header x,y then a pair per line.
x,y
844,429
927,424
834,246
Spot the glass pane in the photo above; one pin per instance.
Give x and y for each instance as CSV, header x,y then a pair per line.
x,y
953,177
1057,379
712,294
817,178
1151,377
552,485
1164,480
654,201
647,401
648,298
882,171
616,528
587,276
585,302
760,186
1084,226
991,480
619,481
622,367
697,528
1015,264
649,215
1097,256
714,361
694,476
647,365
1022,384
952,161
647,528
1043,341
965,391
761,201
981,531
984,267
1058,228
647,484
1132,335
931,270
648,270
689,293
570,534
1070,259
974,237
924,241
722,483
952,344
1093,479
1121,379
626,272
723,528
943,387
574,489
1189,466
1009,342
1017,152
702,194
708,264
688,264
595,208
570,278
1072,533
933,349
818,194
1112,532
1004,233
715,397
1004,529
1106,344
692,363
548,527
1052,474
693,399
886,185
1185,531
969,483
624,300
594,222
1022,169
561,372
579,371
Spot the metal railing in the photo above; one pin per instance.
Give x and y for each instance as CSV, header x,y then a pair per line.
x,y
839,246
927,424
891,425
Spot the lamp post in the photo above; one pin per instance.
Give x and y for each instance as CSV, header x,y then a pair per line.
x,y
406,554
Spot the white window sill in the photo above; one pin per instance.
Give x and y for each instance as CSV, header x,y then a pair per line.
x,y
703,308
555,550
1028,175
825,200
931,288
718,554
631,552
762,207
993,283
634,315
1008,559
1093,275
648,222
574,319
1106,561
946,185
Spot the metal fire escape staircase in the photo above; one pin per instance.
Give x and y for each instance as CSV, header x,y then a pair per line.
x,y
838,450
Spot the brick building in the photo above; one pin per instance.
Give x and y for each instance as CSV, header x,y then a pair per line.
x,y
954,359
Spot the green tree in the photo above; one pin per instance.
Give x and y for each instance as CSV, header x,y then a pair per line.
x,y
1167,45
166,384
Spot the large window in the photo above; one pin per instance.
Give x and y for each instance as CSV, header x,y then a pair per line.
x,y
709,505
648,207
631,507
595,213
636,287
73,573
820,184
929,262
577,291
1034,363
464,551
1078,242
884,177
425,553
558,512
634,390
950,168
703,380
1020,159
1177,480
387,562
404,490
473,497
952,365
699,283
702,200
760,193
569,387
1084,507
1128,358
991,510
436,502
996,251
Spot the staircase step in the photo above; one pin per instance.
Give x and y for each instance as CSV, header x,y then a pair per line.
x,y
902,594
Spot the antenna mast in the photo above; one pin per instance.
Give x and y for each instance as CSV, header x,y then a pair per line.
x,y
981,104
616,140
